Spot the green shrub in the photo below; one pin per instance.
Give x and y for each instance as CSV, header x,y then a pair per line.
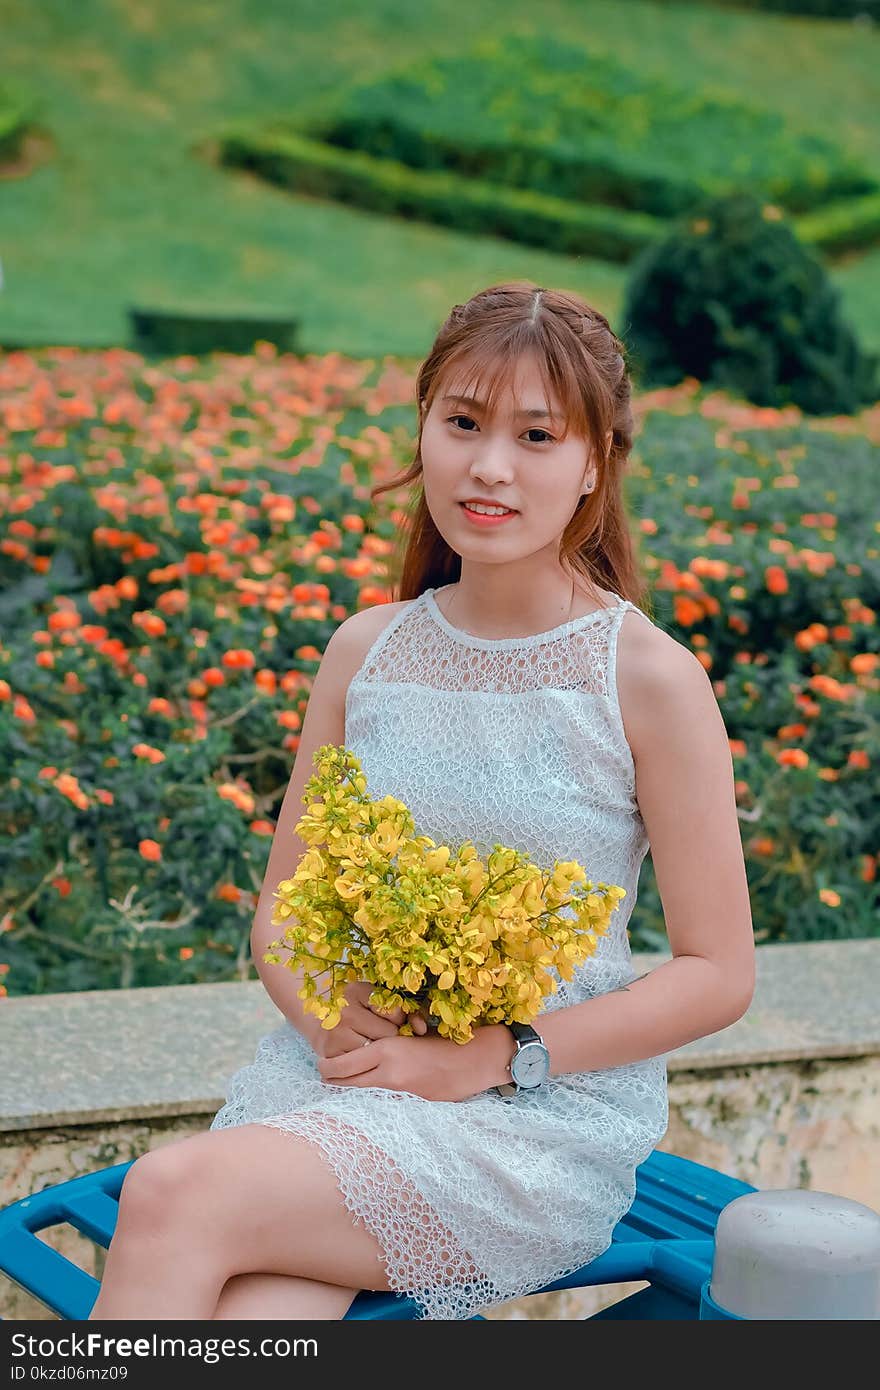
x,y
171,330
732,298
820,9
18,109
536,111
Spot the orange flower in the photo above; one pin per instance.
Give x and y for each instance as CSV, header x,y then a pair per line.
x,y
228,892
152,624
63,885
262,827
186,953
127,587
146,750
288,719
212,676
237,795
864,663
776,579
63,618
265,680
792,757
150,849
239,657
5,690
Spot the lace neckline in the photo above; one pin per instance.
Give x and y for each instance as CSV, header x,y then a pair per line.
x,y
470,639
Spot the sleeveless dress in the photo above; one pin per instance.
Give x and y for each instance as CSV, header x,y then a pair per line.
x,y
517,741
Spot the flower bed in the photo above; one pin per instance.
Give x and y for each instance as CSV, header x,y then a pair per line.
x,y
179,540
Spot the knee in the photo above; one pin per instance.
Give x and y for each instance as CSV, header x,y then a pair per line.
x,y
155,1188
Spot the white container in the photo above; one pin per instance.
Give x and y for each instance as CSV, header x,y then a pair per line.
x,y
790,1253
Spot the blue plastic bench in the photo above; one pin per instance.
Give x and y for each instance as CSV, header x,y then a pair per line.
x,y
666,1238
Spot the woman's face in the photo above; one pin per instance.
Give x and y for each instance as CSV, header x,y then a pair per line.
x,y
515,460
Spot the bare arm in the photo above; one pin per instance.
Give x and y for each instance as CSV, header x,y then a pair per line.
x,y
685,791
324,722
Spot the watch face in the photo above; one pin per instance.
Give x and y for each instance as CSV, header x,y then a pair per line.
x,y
531,1065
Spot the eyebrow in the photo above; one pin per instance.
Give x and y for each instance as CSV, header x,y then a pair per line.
x,y
530,414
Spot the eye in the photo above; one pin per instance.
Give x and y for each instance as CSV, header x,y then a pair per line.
x,y
534,429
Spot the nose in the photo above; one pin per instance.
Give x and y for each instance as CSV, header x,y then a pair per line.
x,y
491,463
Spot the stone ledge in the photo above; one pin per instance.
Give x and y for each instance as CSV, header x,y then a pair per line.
x,y
90,1057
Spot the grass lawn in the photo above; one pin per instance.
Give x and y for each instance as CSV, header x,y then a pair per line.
x,y
126,209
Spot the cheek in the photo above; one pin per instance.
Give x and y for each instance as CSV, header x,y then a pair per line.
x,y
438,464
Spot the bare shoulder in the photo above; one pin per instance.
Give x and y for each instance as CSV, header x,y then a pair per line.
x,y
355,636
656,675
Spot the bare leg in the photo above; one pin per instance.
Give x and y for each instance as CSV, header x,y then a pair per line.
x,y
281,1296
248,1200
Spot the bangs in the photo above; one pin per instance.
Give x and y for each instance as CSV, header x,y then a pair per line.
x,y
486,374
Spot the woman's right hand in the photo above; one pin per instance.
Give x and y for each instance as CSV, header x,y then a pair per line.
x,y
360,1023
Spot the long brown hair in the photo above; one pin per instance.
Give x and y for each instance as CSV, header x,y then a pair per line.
x,y
585,362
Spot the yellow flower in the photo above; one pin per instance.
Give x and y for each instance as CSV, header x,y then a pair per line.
x,y
425,925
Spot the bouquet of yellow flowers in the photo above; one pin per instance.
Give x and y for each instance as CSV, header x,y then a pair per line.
x,y
467,941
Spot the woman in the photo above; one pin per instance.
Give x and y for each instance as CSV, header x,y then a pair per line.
x,y
514,694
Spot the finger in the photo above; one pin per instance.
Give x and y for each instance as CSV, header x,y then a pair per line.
x,y
419,1026
371,1025
361,1059
395,1016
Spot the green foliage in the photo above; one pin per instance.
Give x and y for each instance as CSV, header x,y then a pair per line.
x,y
732,298
533,111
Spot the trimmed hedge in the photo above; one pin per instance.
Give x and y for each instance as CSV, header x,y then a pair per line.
x,y
176,330
465,204
537,112
305,165
824,9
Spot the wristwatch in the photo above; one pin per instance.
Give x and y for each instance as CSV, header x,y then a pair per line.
x,y
529,1065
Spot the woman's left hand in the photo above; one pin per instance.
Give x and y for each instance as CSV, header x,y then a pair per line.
x,y
432,1067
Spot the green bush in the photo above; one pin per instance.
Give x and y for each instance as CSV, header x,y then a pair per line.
x,y
18,109
171,330
732,298
821,9
534,111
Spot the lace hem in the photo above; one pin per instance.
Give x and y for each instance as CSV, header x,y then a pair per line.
x,y
423,1260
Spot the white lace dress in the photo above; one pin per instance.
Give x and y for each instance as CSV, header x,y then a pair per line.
x,y
517,741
